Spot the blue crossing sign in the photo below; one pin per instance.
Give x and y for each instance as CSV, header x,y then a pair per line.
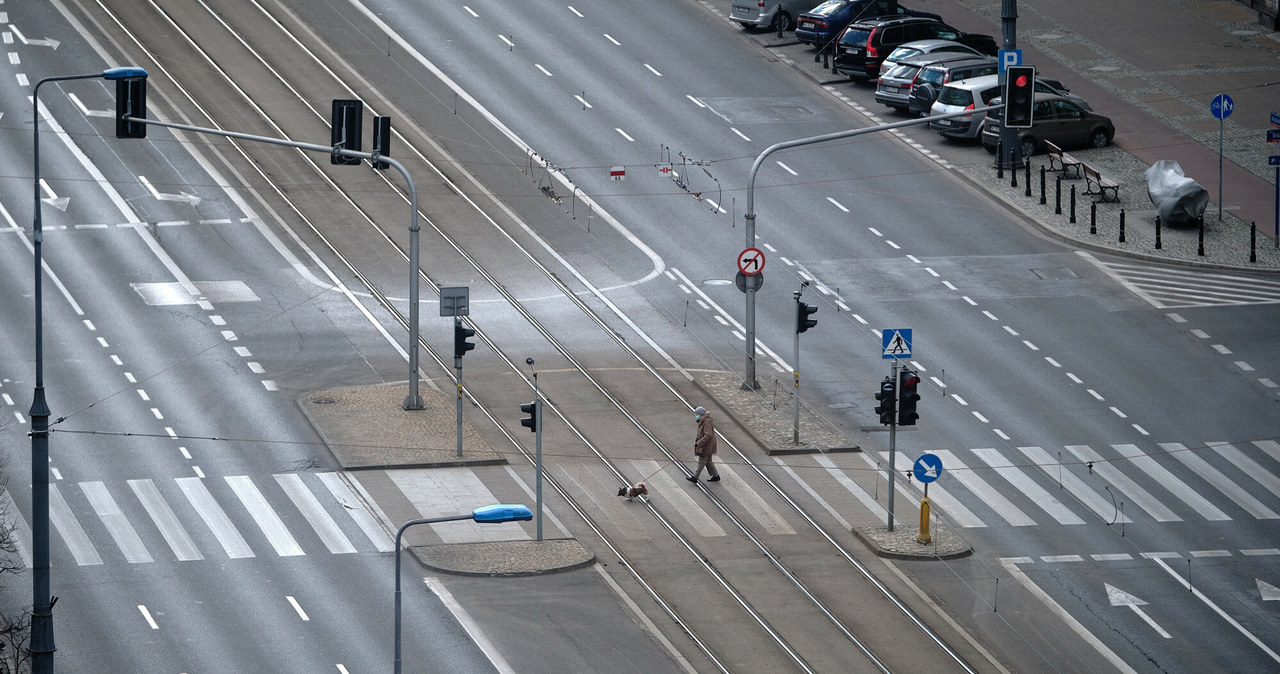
x,y
895,343
928,467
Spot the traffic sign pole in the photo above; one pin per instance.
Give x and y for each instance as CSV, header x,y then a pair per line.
x,y
893,476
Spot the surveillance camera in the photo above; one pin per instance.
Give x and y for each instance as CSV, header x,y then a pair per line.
x,y
528,361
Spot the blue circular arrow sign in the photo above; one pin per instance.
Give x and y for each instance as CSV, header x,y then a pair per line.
x,y
928,467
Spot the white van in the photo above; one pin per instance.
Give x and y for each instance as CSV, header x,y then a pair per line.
x,y
777,15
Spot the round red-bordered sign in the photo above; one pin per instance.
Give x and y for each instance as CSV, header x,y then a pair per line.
x,y
751,261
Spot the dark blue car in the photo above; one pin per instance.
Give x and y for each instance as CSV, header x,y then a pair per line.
x,y
823,23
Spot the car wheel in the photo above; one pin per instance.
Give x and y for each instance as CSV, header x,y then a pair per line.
x,y
1100,138
1028,146
781,21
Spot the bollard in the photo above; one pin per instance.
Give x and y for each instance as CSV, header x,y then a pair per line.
x,y
999,160
1026,176
1122,225
923,537
1093,217
1057,194
1157,232
1201,247
1042,184
1253,241
1073,205
1013,172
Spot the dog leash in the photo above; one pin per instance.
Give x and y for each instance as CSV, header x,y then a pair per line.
x,y
664,466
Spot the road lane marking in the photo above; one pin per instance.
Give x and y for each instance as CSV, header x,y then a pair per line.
x,y
307,503
469,625
165,520
1026,484
1167,480
1230,621
270,524
116,523
70,530
214,517
294,603
1133,490
147,615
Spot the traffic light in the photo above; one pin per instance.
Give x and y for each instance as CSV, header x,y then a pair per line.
x,y
532,422
382,141
131,101
460,335
1019,96
803,311
908,380
348,115
888,401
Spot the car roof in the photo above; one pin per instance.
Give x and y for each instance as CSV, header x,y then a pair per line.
x,y
936,58
979,83
884,20
964,61
925,44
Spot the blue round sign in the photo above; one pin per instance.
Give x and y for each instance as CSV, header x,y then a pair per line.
x,y
928,467
1221,106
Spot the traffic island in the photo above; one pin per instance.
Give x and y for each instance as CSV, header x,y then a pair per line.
x,y
367,427
504,558
902,543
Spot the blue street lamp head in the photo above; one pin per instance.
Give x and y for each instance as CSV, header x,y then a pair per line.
x,y
501,513
124,73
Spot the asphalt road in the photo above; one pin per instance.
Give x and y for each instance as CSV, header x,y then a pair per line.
x,y
1030,350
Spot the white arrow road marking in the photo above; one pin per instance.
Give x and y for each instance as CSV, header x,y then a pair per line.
x,y
52,198
189,198
47,42
1268,591
84,109
1119,597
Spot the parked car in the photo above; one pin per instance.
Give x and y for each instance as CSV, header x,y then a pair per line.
x,y
893,88
1055,119
823,23
977,92
864,44
777,15
910,49
924,91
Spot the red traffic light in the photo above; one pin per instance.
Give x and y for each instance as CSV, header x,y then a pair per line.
x,y
1020,81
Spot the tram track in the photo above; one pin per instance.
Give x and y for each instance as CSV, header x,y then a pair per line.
x,y
357,204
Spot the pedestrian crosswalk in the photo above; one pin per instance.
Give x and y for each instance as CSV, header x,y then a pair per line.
x,y
1118,483
1174,288
187,519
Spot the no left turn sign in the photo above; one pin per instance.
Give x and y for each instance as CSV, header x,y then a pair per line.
x,y
751,261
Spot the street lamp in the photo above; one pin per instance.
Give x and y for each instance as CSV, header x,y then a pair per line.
x,y
494,514
42,604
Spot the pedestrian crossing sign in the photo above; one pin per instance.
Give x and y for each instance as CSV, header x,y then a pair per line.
x,y
896,343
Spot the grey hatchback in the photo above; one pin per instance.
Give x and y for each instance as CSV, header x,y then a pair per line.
x,y
893,88
1055,119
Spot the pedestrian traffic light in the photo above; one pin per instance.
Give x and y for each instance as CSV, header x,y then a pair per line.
x,y
1019,96
888,401
803,311
532,422
131,101
460,335
908,380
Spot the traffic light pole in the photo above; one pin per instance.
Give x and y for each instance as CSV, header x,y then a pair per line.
x,y
749,376
795,398
893,474
537,453
414,400
457,365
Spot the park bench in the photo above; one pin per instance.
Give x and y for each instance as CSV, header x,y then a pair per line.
x,y
1061,161
1099,185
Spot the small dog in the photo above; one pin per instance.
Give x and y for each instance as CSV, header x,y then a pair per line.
x,y
632,492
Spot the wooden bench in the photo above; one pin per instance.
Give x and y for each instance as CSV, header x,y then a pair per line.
x,y
1061,161
1099,185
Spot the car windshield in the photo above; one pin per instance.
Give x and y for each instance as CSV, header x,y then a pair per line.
x,y
829,7
954,96
930,75
902,71
855,37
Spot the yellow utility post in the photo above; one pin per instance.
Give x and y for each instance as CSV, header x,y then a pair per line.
x,y
923,537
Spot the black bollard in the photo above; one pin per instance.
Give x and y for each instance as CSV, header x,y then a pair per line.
x,y
999,160
1157,232
1042,184
1026,176
1073,205
1057,194
1201,248
1013,172
1093,217
1253,241
1122,225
